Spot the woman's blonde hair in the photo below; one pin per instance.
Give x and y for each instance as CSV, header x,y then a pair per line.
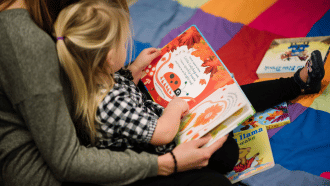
x,y
90,29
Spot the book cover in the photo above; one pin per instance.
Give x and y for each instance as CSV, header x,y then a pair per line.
x,y
274,117
190,69
285,56
255,154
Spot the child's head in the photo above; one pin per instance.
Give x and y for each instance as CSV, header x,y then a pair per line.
x,y
92,37
91,29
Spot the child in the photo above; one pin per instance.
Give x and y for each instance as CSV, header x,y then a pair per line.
x,y
92,40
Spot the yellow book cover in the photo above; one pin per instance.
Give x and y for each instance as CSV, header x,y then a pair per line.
x,y
255,153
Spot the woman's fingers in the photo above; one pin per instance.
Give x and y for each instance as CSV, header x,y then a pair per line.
x,y
217,144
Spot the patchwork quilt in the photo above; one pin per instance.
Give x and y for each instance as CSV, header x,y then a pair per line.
x,y
240,31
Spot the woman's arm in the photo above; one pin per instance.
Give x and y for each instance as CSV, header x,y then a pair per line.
x,y
55,137
31,81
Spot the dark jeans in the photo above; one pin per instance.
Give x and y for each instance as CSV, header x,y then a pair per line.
x,y
221,162
266,94
198,177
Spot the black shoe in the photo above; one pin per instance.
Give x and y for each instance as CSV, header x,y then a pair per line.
x,y
315,68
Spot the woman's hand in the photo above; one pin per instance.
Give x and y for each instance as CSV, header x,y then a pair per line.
x,y
142,61
189,155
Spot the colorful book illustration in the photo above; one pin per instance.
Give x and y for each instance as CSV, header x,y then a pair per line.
x,y
274,117
285,56
190,69
255,153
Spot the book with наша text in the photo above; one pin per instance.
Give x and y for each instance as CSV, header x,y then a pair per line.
x,y
255,154
190,69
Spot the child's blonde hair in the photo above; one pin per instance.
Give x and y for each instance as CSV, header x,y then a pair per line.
x,y
90,29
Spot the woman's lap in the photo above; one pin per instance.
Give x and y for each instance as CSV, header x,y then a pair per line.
x,y
204,176
221,162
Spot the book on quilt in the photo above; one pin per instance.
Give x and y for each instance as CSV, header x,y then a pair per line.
x,y
190,69
274,117
285,56
255,154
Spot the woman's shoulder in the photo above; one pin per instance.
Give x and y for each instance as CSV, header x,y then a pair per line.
x,y
16,21
28,54
18,28
27,44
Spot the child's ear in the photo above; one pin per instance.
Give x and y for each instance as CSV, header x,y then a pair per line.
x,y
110,57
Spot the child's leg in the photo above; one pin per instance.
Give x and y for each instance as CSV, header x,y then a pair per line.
x,y
263,95
266,94
224,159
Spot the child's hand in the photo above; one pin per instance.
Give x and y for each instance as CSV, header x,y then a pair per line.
x,y
181,104
141,62
146,57
168,124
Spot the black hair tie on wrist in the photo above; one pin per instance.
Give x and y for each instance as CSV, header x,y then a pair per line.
x,y
175,163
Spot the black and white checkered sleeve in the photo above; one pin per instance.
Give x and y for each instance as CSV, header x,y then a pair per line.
x,y
123,115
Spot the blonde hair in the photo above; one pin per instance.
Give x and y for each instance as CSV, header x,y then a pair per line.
x,y
91,28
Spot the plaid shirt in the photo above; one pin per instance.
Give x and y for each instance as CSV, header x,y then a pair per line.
x,y
128,119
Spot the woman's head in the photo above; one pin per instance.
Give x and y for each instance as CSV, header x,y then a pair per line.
x,y
94,35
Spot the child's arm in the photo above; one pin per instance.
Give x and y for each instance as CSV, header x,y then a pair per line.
x,y
123,113
141,62
168,124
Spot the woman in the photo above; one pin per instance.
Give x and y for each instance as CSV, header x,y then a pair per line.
x,y
39,145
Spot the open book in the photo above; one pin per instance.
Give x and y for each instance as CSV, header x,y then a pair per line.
x,y
255,153
190,69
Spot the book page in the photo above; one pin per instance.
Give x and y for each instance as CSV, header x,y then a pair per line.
x,y
181,74
211,112
231,123
187,68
